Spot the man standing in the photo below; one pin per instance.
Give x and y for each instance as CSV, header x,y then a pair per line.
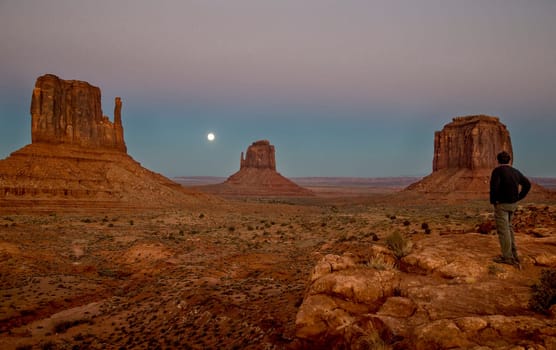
x,y
505,192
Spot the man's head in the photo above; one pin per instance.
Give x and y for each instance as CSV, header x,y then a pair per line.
x,y
503,157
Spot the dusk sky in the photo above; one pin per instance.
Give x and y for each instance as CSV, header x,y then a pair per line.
x,y
341,88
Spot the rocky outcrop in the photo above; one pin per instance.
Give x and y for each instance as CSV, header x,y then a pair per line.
x,y
79,156
433,298
69,112
257,176
470,143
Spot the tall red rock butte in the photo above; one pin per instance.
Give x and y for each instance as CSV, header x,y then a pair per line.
x,y
464,155
257,176
78,156
69,111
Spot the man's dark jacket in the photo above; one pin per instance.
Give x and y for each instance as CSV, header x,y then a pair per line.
x,y
504,185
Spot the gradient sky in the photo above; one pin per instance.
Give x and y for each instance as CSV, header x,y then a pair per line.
x,y
341,88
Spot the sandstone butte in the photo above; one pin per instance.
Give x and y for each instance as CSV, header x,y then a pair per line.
x,y
257,176
78,155
464,156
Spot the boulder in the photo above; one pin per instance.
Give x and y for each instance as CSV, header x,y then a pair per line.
x,y
337,306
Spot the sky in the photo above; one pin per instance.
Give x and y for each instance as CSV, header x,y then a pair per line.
x,y
340,87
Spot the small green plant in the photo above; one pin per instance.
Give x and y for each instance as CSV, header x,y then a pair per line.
x,y
544,292
399,244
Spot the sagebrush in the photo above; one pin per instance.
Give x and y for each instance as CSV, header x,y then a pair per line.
x,y
544,291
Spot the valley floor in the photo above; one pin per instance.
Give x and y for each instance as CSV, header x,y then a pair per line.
x,y
231,275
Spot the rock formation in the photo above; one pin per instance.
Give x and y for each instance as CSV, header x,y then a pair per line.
x,y
464,156
260,155
257,176
470,143
432,298
69,111
78,155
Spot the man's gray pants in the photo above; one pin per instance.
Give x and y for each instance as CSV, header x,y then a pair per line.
x,y
503,214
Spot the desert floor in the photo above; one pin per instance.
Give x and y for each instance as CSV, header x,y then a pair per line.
x,y
229,275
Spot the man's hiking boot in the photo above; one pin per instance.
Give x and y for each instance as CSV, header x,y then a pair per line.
x,y
508,261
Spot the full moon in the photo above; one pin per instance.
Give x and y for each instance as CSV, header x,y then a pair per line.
x,y
210,136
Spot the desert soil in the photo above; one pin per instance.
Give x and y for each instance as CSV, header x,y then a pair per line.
x,y
231,275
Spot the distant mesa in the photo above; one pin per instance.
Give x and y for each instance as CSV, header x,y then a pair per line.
x,y
257,176
464,155
78,155
470,143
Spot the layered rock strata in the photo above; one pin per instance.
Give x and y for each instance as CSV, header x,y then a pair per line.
x,y
78,156
260,155
470,143
464,155
257,176
69,112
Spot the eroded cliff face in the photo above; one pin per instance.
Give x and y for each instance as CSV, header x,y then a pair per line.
x,y
470,142
464,155
69,112
260,155
78,156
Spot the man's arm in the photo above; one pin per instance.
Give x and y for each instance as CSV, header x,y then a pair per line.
x,y
525,186
494,185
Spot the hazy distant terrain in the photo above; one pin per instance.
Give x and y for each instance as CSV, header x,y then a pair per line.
x,y
374,182
390,182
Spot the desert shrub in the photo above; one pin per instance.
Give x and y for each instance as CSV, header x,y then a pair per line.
x,y
544,291
379,263
406,223
399,244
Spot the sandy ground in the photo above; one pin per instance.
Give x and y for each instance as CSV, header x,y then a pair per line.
x,y
231,275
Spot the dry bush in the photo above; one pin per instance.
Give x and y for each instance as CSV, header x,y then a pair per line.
x,y
379,263
544,292
399,244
